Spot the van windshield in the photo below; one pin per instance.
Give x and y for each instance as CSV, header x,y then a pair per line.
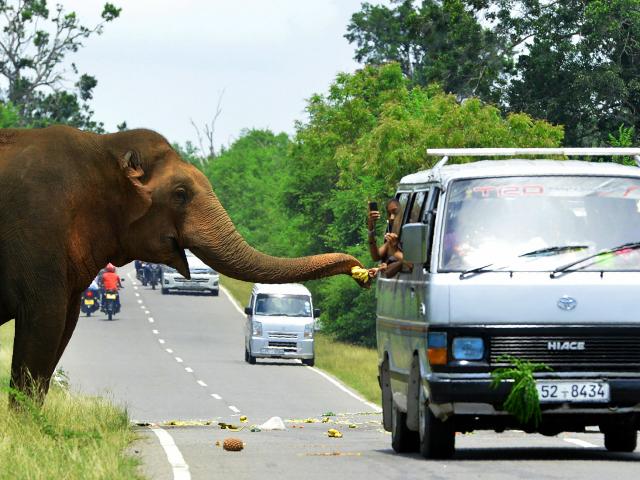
x,y
493,221
283,305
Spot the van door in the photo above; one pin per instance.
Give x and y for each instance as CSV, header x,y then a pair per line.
x,y
400,328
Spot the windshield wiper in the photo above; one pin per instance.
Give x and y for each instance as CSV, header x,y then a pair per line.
x,y
554,250
624,246
475,271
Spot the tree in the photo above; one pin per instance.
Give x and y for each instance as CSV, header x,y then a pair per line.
x,y
372,128
33,46
433,41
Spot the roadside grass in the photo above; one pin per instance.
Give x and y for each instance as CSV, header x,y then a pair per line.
x,y
354,365
71,437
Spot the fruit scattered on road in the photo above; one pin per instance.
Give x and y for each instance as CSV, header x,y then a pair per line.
x,y
333,433
232,444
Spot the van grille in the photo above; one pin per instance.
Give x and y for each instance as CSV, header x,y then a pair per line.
x,y
601,351
283,335
285,346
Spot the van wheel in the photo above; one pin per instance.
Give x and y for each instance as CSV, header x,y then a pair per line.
x,y
309,362
387,397
621,440
403,440
437,438
249,358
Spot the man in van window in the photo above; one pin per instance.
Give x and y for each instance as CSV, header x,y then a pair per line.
x,y
390,253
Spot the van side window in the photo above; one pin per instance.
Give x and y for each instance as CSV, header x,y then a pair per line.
x,y
415,215
403,198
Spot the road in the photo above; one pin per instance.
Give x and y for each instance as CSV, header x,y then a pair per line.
x,y
180,358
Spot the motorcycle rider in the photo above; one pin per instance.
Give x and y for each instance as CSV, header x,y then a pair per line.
x,y
111,282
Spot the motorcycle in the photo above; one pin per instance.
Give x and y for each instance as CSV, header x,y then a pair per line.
x,y
152,275
111,303
90,302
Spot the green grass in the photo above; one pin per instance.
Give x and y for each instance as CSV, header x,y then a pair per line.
x,y
354,365
72,437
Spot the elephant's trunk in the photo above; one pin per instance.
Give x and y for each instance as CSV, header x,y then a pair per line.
x,y
211,236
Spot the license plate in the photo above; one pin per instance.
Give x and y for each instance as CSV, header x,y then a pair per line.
x,y
272,351
111,296
587,392
88,302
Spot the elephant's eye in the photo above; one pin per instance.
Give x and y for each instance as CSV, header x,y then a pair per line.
x,y
181,195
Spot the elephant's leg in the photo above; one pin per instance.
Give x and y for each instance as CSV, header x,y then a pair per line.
x,y
38,333
73,312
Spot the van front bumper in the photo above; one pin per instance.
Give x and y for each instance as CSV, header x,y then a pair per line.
x,y
477,389
301,348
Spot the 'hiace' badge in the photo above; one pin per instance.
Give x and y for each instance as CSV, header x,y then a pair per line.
x,y
557,345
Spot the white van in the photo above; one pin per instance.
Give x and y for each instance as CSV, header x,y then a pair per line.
x,y
535,259
280,323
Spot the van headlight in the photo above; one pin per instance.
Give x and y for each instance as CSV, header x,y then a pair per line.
x,y
257,329
467,348
308,330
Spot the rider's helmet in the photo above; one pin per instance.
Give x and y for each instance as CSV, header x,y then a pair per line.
x,y
111,268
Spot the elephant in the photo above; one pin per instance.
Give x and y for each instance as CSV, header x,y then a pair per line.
x,y
72,201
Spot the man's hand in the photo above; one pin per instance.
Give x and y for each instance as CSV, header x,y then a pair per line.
x,y
391,239
374,216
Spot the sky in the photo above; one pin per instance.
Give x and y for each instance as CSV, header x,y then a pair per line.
x,y
164,63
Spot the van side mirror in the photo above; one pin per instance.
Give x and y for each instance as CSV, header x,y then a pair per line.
x,y
316,312
248,310
415,242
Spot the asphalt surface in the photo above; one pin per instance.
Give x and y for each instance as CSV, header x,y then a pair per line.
x,y
179,358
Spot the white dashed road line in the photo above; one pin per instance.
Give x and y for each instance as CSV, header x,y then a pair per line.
x,y
188,369
139,301
234,409
174,456
216,396
168,350
161,340
179,360
580,443
155,332
151,320
201,383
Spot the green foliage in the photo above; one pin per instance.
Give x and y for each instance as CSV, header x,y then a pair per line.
x,y
571,62
248,178
34,43
9,115
433,41
523,401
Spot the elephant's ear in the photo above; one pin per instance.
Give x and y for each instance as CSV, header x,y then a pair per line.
x,y
139,199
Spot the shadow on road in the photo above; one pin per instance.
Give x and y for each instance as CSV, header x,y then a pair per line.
x,y
527,454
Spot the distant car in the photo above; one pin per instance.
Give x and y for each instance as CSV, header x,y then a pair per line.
x,y
204,279
280,323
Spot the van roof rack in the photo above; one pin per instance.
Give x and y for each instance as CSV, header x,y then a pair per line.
x,y
507,152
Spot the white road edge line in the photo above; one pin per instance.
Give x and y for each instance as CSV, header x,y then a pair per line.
x,y
580,443
201,383
216,396
232,300
369,404
234,409
174,456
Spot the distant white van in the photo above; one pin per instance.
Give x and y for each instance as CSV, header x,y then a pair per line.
x,y
534,259
280,323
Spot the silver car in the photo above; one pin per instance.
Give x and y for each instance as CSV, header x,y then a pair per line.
x,y
204,279
280,323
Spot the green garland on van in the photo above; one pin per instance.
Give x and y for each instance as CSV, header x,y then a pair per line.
x,y
523,401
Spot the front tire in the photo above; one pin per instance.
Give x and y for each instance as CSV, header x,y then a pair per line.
x,y
621,440
215,293
437,438
309,362
403,440
110,315
250,358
